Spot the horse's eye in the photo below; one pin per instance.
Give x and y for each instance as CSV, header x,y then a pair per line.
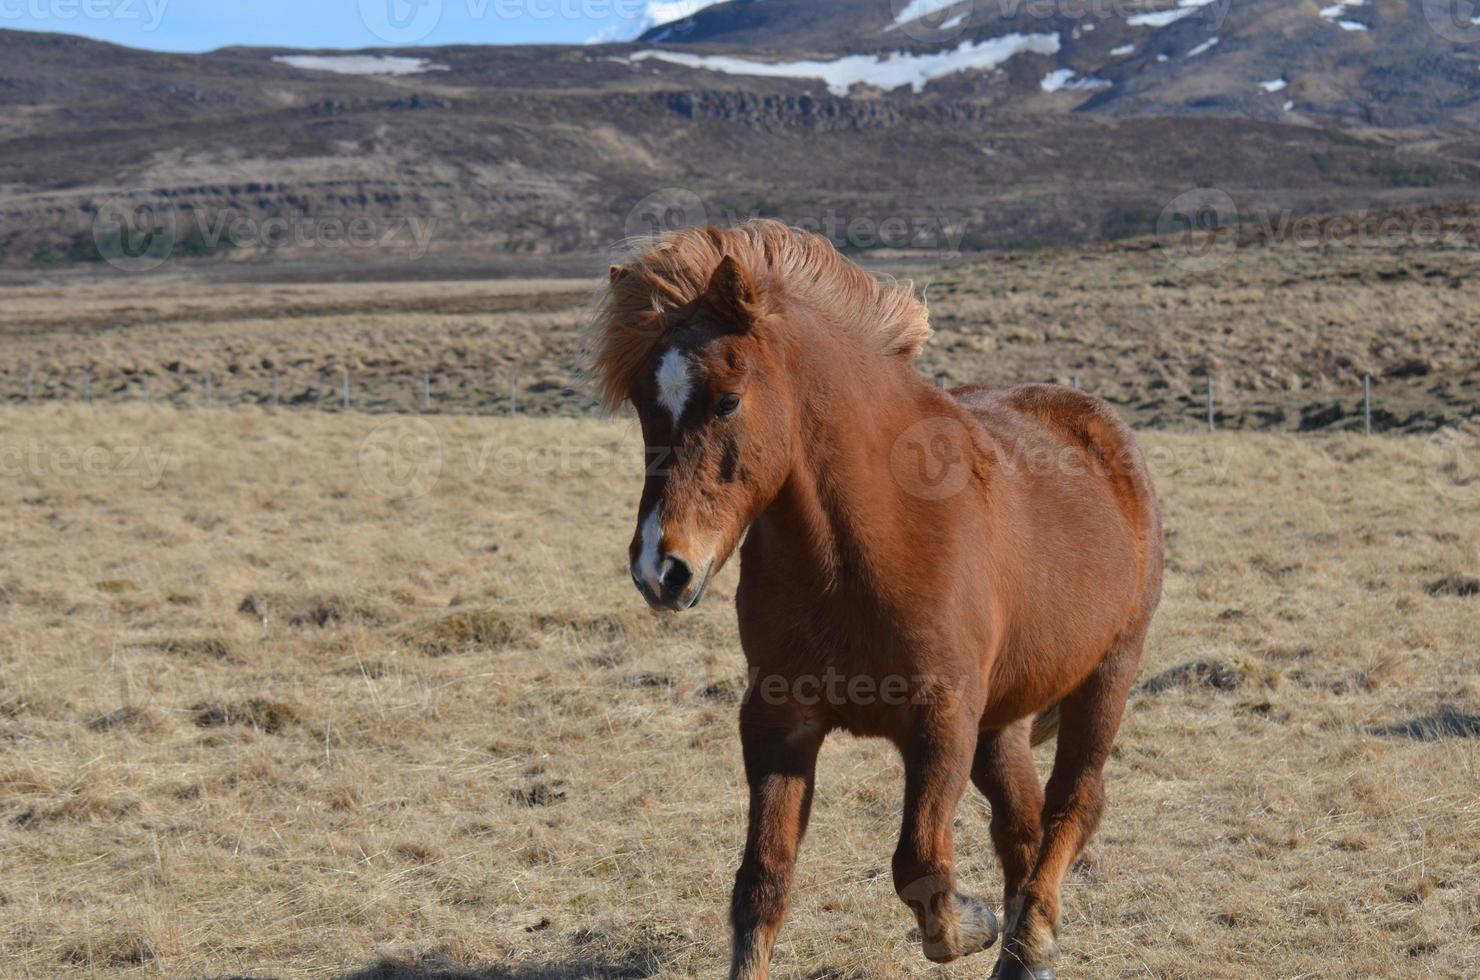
x,y
728,405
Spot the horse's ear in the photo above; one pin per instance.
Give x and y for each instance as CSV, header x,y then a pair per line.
x,y
732,295
614,273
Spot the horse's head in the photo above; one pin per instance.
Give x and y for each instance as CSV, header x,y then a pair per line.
x,y
700,332
716,417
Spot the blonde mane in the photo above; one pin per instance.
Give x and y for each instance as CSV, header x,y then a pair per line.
x,y
665,274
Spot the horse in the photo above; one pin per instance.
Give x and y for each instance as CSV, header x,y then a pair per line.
x,y
965,573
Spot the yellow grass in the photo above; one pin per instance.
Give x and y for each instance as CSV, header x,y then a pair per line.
x,y
263,712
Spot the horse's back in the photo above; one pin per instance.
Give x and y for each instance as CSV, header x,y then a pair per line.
x,y
1047,420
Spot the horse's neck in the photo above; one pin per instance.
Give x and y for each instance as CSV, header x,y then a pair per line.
x,y
842,516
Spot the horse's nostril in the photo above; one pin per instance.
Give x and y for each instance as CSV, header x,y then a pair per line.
x,y
675,576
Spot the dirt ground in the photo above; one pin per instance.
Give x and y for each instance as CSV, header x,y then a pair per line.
x,y
310,694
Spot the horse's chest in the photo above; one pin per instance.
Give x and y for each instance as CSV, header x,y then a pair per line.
x,y
847,670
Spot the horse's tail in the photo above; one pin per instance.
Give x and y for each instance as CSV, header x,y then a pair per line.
x,y
1046,726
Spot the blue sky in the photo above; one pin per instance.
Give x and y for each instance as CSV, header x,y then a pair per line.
x,y
200,25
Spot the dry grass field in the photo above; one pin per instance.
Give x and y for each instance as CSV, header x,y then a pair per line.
x,y
1285,332
296,694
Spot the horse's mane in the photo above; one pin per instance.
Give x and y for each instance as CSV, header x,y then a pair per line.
x,y
665,274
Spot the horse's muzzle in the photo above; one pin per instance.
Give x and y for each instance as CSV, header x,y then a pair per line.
x,y
679,588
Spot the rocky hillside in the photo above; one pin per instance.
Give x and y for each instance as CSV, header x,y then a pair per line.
x,y
975,126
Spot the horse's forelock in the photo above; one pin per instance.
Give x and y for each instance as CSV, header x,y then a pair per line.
x,y
668,272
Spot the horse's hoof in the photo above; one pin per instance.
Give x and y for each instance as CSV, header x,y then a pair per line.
x,y
1017,971
977,932
979,928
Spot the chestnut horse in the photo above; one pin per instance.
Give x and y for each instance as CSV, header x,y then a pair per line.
x,y
940,569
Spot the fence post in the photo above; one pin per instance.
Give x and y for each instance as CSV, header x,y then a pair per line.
x,y
208,390
145,379
30,386
344,391
426,392
1212,412
87,387
1367,401
274,388
513,395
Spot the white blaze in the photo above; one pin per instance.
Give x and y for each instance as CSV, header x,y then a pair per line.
x,y
647,559
674,383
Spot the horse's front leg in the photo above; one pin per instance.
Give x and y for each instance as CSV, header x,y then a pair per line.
x,y
780,746
938,760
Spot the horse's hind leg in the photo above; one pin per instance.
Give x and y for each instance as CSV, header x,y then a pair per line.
x,y
1075,799
1003,771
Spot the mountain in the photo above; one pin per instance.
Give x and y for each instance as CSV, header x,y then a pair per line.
x,y
1391,63
974,126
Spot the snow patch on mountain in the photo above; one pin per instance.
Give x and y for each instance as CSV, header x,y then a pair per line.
x,y
655,13
887,72
916,9
1063,80
359,64
1337,14
1162,18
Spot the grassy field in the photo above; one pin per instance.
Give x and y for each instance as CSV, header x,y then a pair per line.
x,y
294,694
1285,332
